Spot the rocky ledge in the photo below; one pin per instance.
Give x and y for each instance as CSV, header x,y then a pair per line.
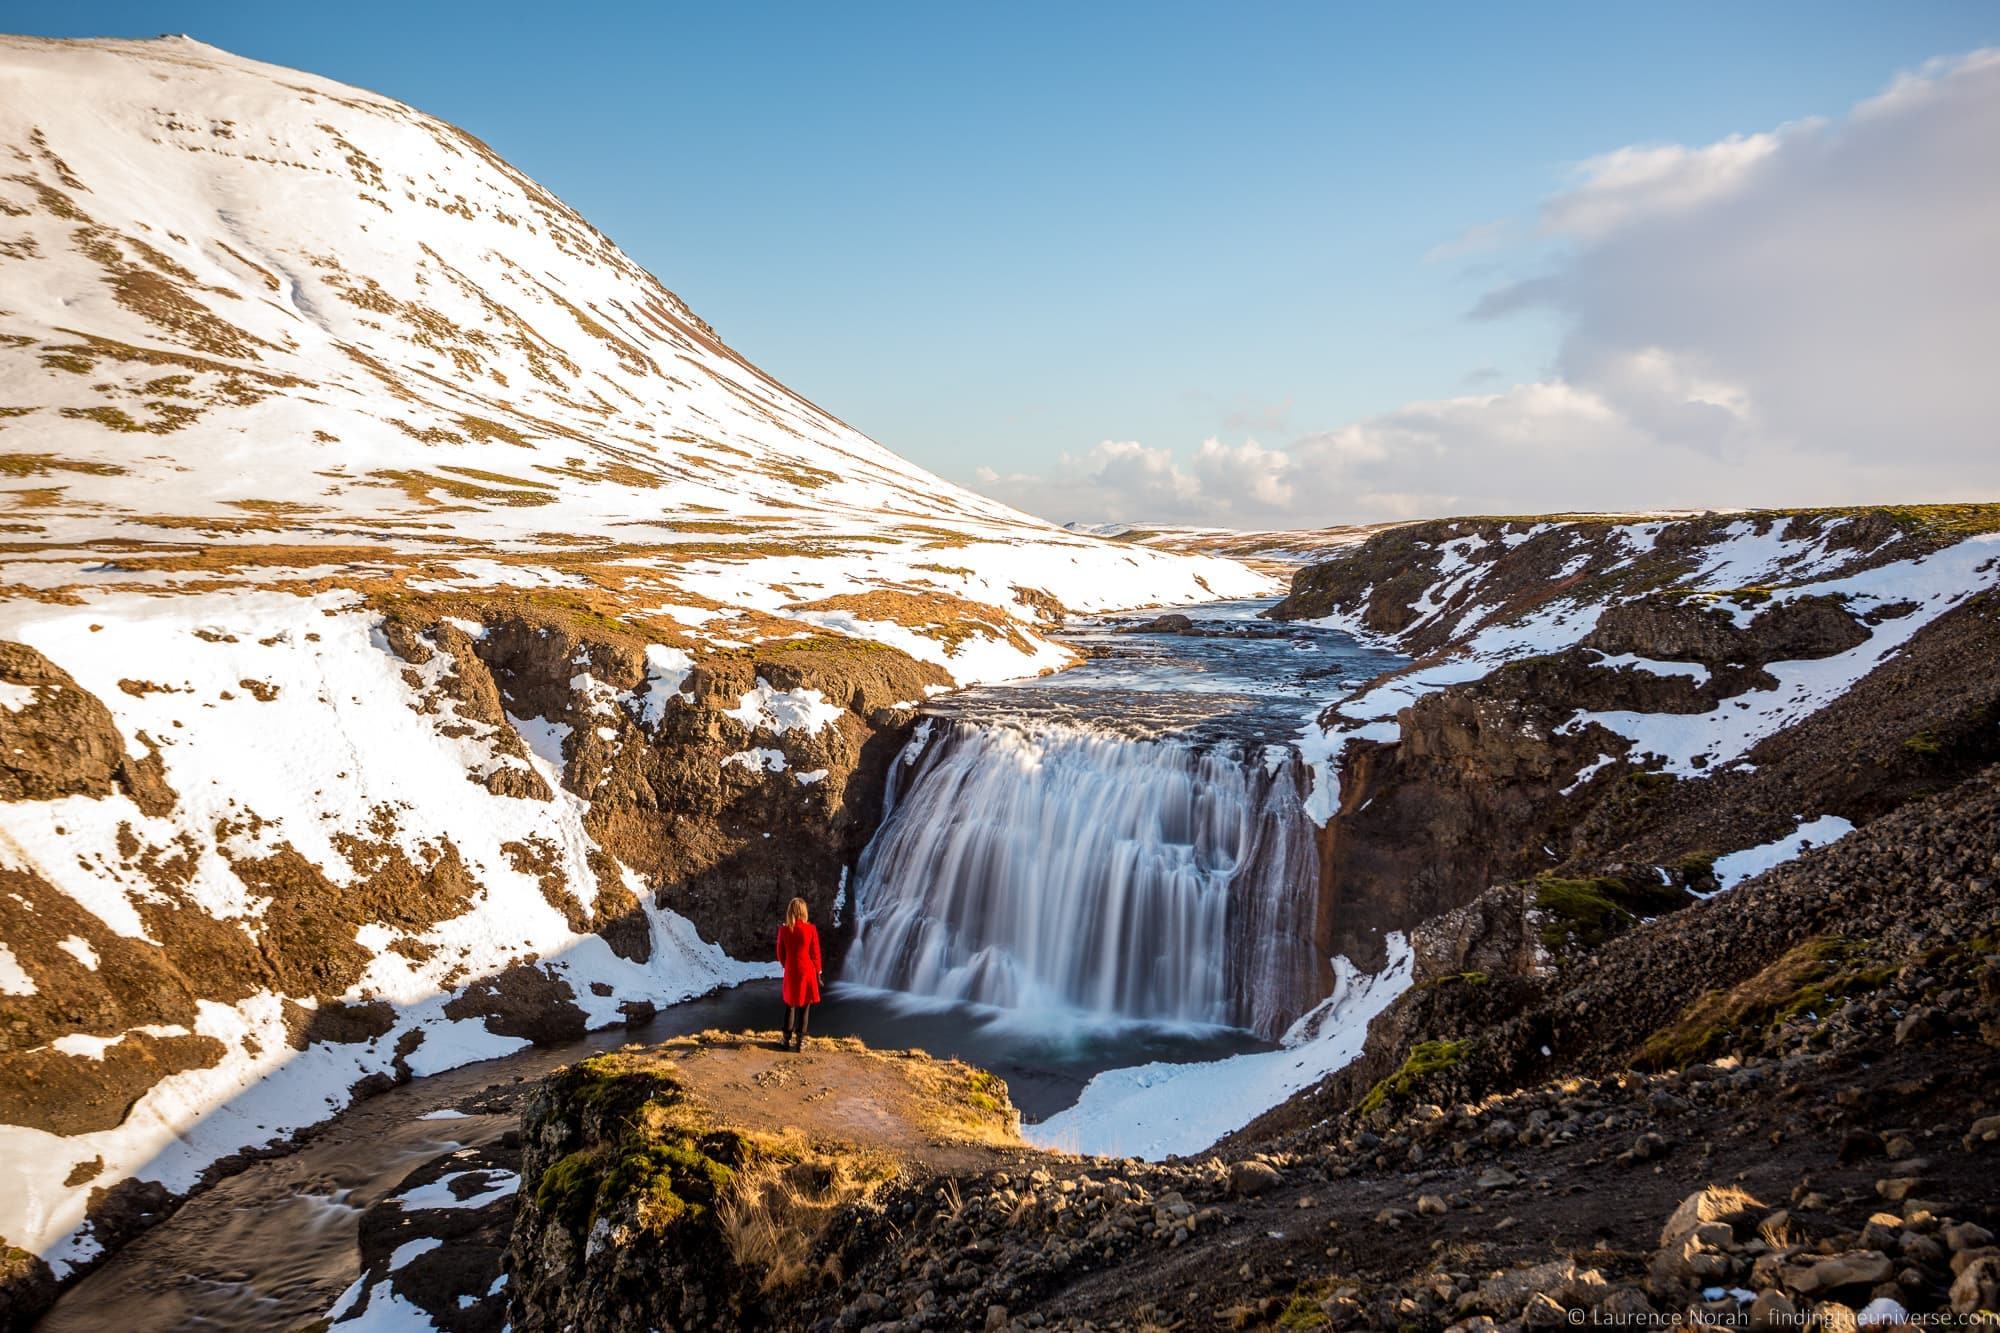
x,y
713,1181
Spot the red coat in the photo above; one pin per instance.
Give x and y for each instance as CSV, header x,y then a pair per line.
x,y
798,950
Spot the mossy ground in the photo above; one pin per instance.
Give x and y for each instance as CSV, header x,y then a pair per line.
x,y
1425,1059
719,1136
1587,912
654,1150
1809,978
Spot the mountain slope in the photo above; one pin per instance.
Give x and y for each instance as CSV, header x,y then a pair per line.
x,y
258,307
419,635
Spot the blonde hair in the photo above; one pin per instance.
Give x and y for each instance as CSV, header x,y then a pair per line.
x,y
796,912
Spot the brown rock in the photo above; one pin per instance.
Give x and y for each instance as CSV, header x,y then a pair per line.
x,y
1251,1177
1978,1287
1717,1203
1815,1277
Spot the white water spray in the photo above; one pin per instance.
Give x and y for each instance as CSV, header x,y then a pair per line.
x,y
1067,869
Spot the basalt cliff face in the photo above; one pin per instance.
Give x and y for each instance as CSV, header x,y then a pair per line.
x,y
420,634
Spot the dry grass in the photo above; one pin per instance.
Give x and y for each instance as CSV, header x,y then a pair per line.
x,y
781,1205
419,486
40,465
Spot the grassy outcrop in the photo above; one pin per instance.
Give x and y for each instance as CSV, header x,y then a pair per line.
x,y
1425,1059
1586,912
704,1179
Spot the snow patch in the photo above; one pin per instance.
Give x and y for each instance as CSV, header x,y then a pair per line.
x,y
759,760
780,711
492,1185
1736,867
13,980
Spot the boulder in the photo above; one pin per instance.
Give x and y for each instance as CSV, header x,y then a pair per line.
x,y
1977,1287
1717,1203
1248,1178
1818,1276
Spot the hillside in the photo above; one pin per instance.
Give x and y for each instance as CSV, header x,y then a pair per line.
x,y
420,634
1276,551
1698,694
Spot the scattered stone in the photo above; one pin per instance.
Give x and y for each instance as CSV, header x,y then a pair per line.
x,y
1966,1236
1544,1311
1625,1305
1558,1279
1648,1147
1773,1309
1431,1205
1920,1025
1497,1178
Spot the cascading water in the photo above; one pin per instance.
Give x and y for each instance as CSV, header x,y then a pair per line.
x,y
1058,868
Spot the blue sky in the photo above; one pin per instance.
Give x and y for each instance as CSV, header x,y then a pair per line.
x,y
993,235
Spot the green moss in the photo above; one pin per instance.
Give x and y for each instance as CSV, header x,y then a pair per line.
x,y
650,1148
1811,977
1956,520
569,1187
1587,912
675,1178
1924,744
1425,1059
1696,865
1303,1309
1460,979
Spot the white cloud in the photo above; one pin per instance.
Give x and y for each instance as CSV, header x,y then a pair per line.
x,y
1806,315
1642,182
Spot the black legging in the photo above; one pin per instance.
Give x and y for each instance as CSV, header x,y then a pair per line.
x,y
795,1018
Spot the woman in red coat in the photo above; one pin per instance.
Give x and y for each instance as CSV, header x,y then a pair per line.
x,y
798,950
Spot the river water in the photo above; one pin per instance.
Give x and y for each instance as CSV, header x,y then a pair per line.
x,y
1087,871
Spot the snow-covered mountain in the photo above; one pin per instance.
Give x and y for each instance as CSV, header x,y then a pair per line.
x,y
247,306
421,633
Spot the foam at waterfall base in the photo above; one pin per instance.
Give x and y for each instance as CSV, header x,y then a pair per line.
x,y
1164,1110
1053,1030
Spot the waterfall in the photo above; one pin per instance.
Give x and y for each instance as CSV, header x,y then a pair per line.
x,y
1065,869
